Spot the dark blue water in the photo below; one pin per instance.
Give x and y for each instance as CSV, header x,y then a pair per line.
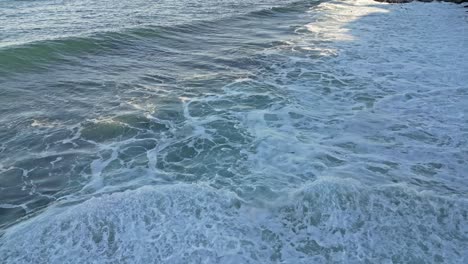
x,y
233,132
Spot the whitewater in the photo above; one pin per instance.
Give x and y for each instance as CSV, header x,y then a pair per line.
x,y
233,132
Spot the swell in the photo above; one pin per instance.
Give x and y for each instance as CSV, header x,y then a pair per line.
x,y
37,55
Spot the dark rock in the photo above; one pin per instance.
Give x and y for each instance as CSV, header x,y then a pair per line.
x,y
455,1
426,1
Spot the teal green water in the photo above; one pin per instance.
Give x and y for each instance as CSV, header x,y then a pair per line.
x,y
232,132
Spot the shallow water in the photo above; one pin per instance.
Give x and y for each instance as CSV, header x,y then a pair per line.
x,y
233,132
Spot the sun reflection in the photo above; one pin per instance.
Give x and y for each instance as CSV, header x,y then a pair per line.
x,y
336,16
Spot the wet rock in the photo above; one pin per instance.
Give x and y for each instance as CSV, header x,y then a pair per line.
x,y
426,1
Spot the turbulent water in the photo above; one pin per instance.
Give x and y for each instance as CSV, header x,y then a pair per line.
x,y
233,131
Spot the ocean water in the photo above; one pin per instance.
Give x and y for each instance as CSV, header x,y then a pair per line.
x,y
233,131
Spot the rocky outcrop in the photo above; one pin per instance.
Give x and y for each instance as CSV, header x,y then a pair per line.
x,y
407,1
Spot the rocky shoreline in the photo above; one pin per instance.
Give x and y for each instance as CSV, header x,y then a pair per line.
x,y
426,1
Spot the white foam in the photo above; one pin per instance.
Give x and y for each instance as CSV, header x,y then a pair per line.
x,y
385,104
368,91
328,220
